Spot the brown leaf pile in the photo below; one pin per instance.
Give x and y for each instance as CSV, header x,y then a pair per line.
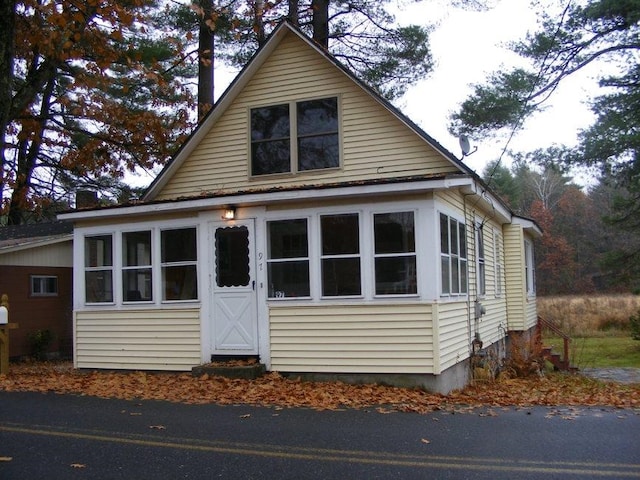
x,y
276,391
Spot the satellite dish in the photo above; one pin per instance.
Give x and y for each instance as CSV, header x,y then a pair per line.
x,y
465,145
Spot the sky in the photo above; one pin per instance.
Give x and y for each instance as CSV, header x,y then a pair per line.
x,y
468,46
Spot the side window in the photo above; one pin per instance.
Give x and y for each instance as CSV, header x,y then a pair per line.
x,y
136,266
394,253
98,268
453,256
44,286
340,256
482,285
179,259
497,252
288,258
529,268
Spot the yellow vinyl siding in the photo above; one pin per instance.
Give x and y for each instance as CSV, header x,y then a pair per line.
x,y
454,338
371,137
514,276
352,339
51,255
138,339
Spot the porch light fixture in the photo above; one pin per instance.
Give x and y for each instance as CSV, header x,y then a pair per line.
x,y
229,213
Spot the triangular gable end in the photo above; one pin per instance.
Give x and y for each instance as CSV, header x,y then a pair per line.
x,y
249,73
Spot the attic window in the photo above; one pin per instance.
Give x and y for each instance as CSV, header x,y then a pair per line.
x,y
295,137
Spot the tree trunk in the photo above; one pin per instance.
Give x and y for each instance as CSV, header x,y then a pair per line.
x,y
28,152
205,60
320,22
258,24
293,12
7,29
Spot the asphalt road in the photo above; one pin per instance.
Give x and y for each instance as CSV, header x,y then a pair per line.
x,y
53,436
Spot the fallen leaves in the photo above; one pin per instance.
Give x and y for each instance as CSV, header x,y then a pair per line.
x,y
276,391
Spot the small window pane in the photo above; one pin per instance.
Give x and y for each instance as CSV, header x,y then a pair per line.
x,y
318,116
321,151
270,157
98,285
340,276
269,123
396,275
454,236
137,248
137,285
446,275
444,234
394,232
289,279
180,282
97,251
178,245
288,239
340,234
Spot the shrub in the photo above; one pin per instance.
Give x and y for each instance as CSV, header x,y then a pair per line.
x,y
39,342
634,322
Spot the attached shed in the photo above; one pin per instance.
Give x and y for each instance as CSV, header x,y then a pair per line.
x,y
36,272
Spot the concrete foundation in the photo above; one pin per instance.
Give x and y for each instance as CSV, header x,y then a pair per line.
x,y
453,378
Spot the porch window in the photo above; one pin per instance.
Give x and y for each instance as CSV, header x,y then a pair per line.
x,y
395,253
482,283
295,137
44,286
340,257
136,266
98,268
179,264
453,256
288,259
529,268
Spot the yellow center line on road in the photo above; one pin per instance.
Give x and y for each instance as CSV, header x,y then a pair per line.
x,y
617,470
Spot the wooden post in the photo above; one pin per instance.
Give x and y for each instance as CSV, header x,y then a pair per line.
x,y
4,338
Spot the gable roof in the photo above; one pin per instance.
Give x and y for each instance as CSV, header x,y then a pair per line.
x,y
241,80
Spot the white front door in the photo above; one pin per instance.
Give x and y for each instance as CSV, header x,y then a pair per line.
x,y
235,321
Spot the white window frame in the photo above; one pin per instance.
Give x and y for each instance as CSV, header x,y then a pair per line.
x,y
358,255
42,280
367,257
116,233
463,262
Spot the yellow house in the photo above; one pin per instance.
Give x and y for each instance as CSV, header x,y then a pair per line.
x,y
309,223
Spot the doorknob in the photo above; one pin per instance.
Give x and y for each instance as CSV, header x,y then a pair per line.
x,y
253,285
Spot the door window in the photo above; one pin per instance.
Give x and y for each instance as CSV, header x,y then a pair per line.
x,y
232,257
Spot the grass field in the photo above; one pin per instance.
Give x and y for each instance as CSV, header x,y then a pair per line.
x,y
598,326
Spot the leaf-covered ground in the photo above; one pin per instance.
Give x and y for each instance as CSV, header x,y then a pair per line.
x,y
276,391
